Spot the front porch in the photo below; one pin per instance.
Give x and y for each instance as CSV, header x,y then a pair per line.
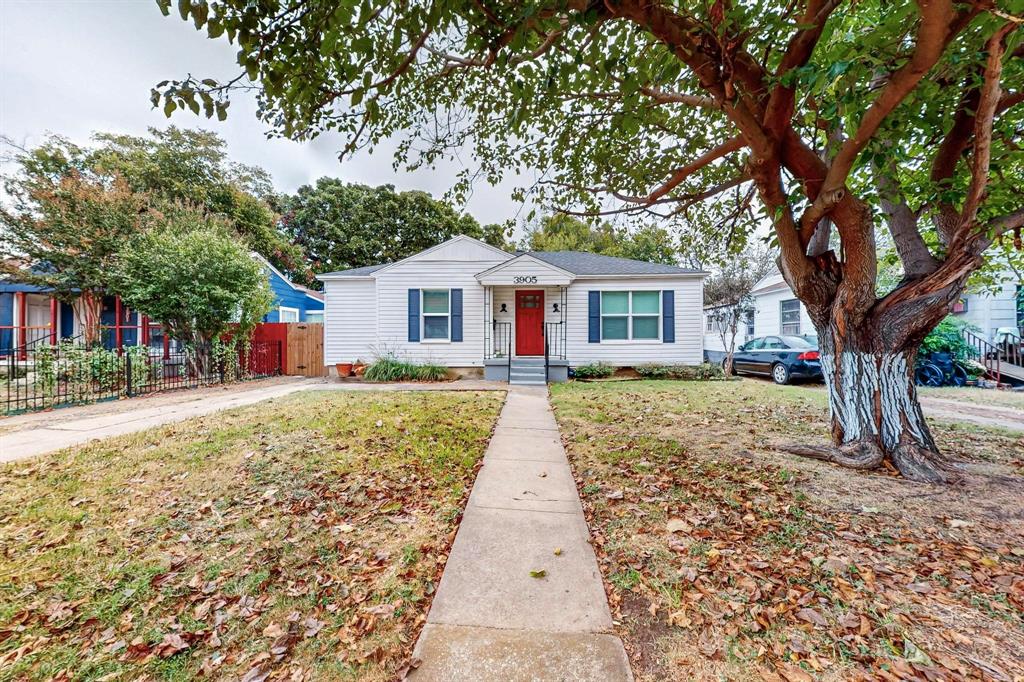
x,y
525,333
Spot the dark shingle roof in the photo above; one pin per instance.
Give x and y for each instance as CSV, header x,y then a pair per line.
x,y
355,272
576,262
583,263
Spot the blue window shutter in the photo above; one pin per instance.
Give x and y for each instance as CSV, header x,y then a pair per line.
x,y
456,301
594,317
414,315
668,316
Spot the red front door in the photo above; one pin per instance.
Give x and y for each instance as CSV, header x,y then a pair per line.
x,y
530,322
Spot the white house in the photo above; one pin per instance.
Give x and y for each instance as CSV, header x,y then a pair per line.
x,y
778,311
466,305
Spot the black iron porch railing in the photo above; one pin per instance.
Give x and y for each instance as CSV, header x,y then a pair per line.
x,y
554,345
499,343
43,376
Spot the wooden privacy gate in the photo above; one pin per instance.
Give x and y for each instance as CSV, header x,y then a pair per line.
x,y
302,346
304,353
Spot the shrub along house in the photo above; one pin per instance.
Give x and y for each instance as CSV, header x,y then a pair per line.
x,y
525,317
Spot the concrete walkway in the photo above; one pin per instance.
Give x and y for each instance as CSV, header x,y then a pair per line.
x,y
46,437
974,413
491,619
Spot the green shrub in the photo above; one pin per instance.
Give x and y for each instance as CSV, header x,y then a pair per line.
x,y
948,337
654,371
703,372
390,368
595,370
431,372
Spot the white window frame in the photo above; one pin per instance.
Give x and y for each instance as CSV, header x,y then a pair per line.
x,y
424,315
316,313
282,309
629,315
750,324
782,321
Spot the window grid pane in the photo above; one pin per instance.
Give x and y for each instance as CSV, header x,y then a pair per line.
x,y
614,328
790,316
435,326
435,301
645,327
646,303
614,302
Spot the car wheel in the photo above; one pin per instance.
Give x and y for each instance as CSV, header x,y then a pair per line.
x,y
780,373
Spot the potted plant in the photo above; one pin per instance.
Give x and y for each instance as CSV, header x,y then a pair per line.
x,y
344,368
358,368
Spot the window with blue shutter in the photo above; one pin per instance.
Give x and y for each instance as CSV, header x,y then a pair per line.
x,y
456,315
668,316
594,317
414,315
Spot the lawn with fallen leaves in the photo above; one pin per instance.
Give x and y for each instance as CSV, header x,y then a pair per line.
x,y
726,559
301,538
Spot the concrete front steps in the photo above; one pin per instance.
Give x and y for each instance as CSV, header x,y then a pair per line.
x,y
527,372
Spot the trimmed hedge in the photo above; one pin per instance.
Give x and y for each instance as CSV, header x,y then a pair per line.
x,y
703,372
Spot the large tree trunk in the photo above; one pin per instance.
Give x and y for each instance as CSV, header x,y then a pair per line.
x,y
876,416
874,410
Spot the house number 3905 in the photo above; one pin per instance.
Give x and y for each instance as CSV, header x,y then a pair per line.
x,y
525,280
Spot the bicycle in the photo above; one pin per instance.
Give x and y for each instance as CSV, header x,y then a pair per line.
x,y
940,369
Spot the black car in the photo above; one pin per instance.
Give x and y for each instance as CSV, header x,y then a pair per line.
x,y
783,358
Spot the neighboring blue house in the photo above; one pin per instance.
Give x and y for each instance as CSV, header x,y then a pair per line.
x,y
292,302
28,314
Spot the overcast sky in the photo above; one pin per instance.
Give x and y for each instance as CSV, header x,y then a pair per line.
x,y
73,67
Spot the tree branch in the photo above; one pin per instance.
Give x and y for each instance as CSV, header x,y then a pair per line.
x,y
933,35
990,95
680,174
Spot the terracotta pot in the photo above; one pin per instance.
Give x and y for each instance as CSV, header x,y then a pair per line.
x,y
358,370
344,369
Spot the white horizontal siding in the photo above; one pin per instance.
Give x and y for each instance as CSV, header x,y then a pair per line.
x,y
768,315
688,348
393,310
350,320
990,311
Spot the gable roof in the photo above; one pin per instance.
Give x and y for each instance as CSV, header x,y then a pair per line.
x,y
437,247
354,272
368,270
578,263
560,276
771,282
297,287
584,264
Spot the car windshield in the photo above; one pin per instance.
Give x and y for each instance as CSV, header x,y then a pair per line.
x,y
799,342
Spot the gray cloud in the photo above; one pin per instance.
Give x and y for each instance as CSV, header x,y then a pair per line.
x,y
73,67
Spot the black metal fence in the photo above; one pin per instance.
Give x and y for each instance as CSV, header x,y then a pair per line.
x,y
554,340
41,376
498,343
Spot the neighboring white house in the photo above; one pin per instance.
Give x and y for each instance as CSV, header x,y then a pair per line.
x,y
780,312
465,304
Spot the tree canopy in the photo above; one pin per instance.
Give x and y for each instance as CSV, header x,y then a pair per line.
x,y
64,232
343,225
193,275
170,166
560,232
825,118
